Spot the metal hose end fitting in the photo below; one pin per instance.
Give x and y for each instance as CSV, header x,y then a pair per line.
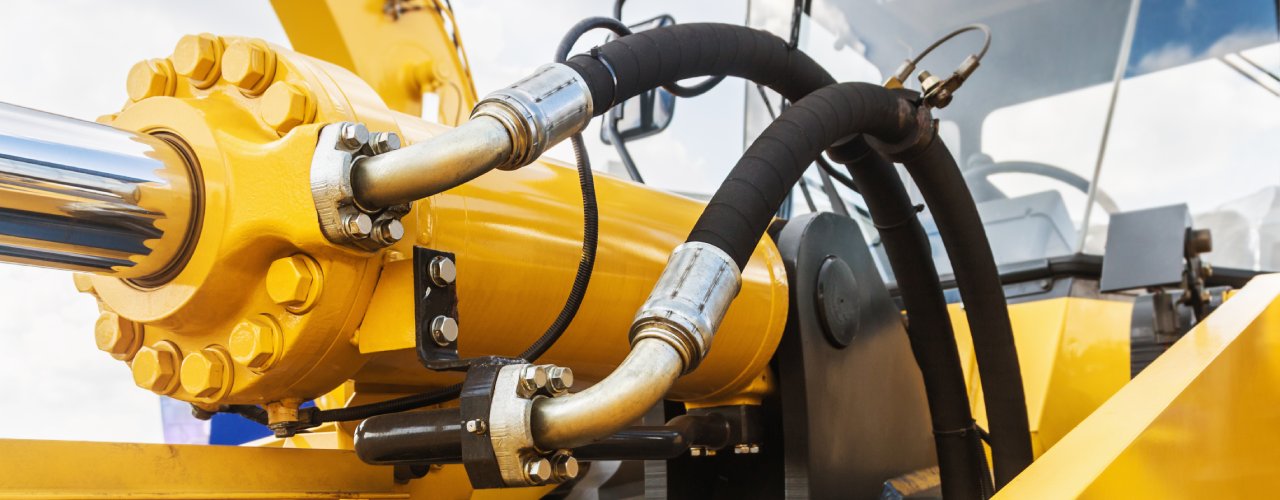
x,y
539,111
689,301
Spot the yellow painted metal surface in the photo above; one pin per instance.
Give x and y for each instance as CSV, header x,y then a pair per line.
x,y
517,236
58,469
1199,422
1073,353
402,54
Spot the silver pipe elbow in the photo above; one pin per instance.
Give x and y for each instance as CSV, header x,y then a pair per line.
x,y
669,337
509,128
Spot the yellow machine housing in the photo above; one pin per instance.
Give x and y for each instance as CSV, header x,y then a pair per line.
x,y
269,311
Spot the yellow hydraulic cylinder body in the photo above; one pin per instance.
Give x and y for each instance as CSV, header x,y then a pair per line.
x,y
267,310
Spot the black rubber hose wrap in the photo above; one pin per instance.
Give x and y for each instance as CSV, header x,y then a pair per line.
x,y
943,188
928,324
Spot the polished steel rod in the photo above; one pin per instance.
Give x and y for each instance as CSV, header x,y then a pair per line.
x,y
84,196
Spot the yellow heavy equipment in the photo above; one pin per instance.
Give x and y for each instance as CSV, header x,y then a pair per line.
x,y
266,226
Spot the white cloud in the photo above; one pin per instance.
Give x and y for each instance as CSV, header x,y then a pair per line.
x,y
1177,54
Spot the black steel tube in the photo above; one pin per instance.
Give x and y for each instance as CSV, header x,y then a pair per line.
x,y
659,442
433,436
943,188
928,324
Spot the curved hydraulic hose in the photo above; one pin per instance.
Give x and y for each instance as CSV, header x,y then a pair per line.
x,y
648,59
928,324
943,188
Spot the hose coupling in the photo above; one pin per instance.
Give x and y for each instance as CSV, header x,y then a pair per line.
x,y
539,111
689,301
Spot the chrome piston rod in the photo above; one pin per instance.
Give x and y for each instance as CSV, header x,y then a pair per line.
x,y
83,196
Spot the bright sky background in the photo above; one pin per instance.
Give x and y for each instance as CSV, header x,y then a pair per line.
x,y
71,57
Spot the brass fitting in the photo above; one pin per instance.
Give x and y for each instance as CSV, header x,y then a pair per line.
x,y
254,342
197,58
155,368
117,336
250,65
150,78
285,105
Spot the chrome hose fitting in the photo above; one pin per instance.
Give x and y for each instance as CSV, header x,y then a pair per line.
x,y
508,129
689,301
539,111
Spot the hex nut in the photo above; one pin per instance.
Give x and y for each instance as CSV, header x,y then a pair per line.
x,y
559,379
358,225
254,342
196,57
533,378
444,330
353,136
285,106
150,78
290,280
384,142
442,270
203,373
249,65
116,335
155,368
476,426
83,282
538,470
564,467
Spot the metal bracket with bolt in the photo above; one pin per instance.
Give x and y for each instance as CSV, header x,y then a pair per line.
x,y
343,220
435,275
497,447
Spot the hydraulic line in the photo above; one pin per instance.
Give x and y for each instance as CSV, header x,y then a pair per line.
x,y
928,323
943,188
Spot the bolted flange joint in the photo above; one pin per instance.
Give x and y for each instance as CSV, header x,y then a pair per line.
x,y
507,437
689,301
343,220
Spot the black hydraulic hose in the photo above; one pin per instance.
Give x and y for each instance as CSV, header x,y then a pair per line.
x,y
928,324
626,67
943,188
656,57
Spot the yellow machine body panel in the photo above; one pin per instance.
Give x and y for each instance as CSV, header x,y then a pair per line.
x,y
1199,422
1073,353
513,280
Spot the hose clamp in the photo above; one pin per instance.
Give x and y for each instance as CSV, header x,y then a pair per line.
x,y
919,129
689,301
539,111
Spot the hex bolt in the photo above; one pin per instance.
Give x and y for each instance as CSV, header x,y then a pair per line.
x,y
538,470
696,451
564,467
1199,241
289,281
248,64
388,231
202,373
443,271
285,106
253,342
741,449
358,225
155,368
83,282
444,330
150,78
476,426
383,142
115,335
755,448
353,136
559,379
196,57
533,378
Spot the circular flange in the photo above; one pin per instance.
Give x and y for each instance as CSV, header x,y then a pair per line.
x,y
836,301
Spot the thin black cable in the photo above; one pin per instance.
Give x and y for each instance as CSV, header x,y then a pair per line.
x,y
800,7
836,174
590,237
